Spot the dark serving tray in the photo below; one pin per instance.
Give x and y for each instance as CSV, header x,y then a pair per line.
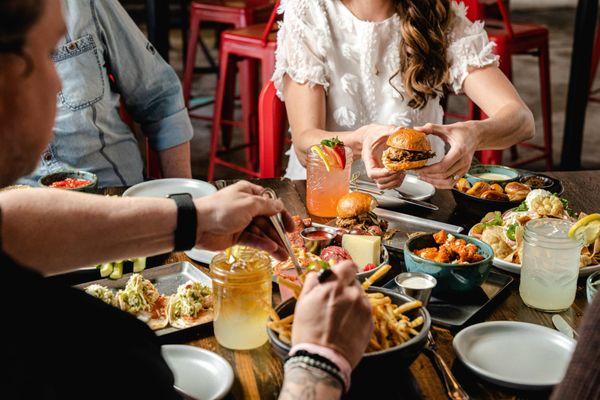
x,y
455,313
477,206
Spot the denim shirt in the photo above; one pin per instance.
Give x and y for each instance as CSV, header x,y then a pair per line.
x,y
89,133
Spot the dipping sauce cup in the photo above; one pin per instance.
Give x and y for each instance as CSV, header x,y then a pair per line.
x,y
416,285
317,238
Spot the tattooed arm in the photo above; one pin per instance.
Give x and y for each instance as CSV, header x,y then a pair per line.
x,y
308,383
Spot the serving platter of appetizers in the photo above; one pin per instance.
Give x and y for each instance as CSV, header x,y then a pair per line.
x,y
170,298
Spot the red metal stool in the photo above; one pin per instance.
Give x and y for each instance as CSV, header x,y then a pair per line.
x,y
518,39
253,44
238,13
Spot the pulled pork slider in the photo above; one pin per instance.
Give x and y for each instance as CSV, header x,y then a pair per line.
x,y
355,211
408,149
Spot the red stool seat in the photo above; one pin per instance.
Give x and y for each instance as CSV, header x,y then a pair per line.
x,y
255,45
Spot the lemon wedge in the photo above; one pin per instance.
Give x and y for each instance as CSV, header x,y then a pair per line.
x,y
586,229
319,152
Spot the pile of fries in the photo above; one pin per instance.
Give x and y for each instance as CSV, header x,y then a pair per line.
x,y
391,326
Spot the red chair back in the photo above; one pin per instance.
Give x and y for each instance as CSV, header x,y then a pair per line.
x,y
270,23
271,129
476,12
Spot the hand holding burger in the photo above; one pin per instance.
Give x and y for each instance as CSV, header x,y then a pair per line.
x,y
408,149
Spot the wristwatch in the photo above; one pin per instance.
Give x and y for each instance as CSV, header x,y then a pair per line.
x,y
187,221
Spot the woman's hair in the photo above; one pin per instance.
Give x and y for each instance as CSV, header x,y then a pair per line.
x,y
16,19
423,64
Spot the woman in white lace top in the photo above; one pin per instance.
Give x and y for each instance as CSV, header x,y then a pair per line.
x,y
357,68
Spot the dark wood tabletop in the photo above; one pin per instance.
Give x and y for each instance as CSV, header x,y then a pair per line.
x,y
259,373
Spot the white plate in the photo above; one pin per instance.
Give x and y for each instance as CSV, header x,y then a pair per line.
x,y
201,256
415,189
515,354
166,187
199,373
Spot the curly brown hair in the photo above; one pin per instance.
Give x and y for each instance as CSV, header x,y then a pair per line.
x,y
16,19
423,64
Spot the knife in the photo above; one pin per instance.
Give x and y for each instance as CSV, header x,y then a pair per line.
x,y
563,327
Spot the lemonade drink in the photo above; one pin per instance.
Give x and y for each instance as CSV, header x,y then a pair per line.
x,y
550,265
242,293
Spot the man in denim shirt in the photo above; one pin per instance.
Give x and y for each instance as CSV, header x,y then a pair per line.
x,y
90,135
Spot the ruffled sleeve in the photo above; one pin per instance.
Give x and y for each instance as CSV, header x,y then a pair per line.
x,y
469,47
302,45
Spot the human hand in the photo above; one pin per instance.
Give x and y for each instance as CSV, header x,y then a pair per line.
x,y
239,214
463,140
334,314
373,146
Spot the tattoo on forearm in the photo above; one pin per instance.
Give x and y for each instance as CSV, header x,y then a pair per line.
x,y
307,383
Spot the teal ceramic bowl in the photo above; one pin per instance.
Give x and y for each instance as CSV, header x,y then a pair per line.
x,y
451,278
496,174
49,179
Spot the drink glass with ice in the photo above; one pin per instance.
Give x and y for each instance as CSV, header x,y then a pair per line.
x,y
550,265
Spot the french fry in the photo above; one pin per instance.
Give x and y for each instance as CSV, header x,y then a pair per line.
x,y
411,305
376,276
391,327
290,285
274,316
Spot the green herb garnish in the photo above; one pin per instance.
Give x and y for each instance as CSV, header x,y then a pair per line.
x,y
566,206
317,265
522,207
496,221
511,231
332,142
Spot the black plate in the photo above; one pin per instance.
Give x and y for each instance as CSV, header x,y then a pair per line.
x,y
397,357
475,205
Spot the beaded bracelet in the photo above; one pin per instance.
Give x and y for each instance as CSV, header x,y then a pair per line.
x,y
316,361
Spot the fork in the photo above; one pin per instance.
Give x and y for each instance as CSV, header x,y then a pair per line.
x,y
453,388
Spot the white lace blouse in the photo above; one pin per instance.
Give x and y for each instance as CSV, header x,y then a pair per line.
x,y
320,42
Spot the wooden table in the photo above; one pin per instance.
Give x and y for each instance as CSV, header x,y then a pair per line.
x,y
259,372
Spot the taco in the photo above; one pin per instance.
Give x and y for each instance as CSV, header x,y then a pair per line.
x,y
103,293
140,298
191,305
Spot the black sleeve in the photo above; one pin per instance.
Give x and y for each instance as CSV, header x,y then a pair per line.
x,y
60,343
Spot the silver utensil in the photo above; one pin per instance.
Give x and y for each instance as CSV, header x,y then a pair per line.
x,y
371,188
453,388
563,327
278,224
416,202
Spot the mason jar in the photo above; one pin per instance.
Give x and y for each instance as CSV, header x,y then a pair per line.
x,y
324,188
550,265
242,297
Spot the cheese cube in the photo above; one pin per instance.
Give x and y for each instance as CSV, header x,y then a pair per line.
x,y
364,249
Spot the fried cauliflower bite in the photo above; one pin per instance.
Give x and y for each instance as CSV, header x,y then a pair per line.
x,y
441,237
444,255
468,254
428,253
548,205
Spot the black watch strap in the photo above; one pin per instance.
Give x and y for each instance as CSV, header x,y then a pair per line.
x,y
187,221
